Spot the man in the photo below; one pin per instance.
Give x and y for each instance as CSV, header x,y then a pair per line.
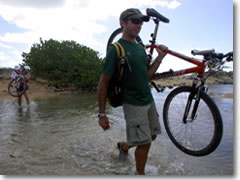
x,y
142,124
25,71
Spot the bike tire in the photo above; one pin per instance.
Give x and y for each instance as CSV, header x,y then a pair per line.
x,y
199,137
12,89
113,38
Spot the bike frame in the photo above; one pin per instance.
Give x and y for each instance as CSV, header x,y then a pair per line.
x,y
199,69
200,65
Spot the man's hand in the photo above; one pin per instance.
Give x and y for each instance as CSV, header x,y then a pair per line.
x,y
162,50
104,123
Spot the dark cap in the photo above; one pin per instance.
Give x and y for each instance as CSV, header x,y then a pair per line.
x,y
133,13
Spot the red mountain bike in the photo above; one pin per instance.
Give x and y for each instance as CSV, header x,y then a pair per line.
x,y
191,118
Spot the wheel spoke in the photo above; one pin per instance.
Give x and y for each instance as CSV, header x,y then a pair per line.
x,y
196,135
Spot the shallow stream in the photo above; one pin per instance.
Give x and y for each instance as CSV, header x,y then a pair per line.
x,y
61,136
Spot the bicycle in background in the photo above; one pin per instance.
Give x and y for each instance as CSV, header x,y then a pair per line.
x,y
18,85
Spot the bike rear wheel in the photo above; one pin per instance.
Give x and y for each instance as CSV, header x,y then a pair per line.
x,y
198,136
17,88
116,35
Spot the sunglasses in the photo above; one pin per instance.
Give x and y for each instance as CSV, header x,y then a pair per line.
x,y
136,21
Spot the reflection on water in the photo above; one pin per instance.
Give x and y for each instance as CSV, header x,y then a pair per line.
x,y
61,136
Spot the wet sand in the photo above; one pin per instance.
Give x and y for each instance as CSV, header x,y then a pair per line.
x,y
38,89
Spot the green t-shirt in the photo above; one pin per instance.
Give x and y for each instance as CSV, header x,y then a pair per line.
x,y
135,83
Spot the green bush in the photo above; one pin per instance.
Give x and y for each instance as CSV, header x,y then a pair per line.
x,y
64,63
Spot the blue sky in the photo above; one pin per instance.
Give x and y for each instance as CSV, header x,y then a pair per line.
x,y
202,24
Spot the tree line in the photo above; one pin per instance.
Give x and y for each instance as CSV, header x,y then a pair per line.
x,y
64,64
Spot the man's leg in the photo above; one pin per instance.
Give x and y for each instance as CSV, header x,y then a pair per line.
x,y
126,147
19,100
141,156
27,97
135,115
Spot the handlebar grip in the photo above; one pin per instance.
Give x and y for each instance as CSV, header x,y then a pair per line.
x,y
152,12
203,52
229,56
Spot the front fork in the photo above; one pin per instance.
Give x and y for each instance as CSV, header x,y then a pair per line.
x,y
194,94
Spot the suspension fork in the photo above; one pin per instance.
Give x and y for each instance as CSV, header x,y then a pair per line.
x,y
195,93
197,101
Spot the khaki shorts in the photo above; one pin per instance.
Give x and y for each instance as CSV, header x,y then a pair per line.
x,y
141,123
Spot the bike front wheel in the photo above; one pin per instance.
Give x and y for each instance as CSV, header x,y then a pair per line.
x,y
17,88
198,136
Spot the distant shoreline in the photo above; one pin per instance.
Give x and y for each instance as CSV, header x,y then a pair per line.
x,y
182,80
38,89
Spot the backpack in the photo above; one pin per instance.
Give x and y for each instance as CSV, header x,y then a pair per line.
x,y
114,92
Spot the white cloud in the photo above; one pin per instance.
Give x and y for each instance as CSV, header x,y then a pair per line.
x,y
173,4
9,59
3,56
78,20
34,3
5,46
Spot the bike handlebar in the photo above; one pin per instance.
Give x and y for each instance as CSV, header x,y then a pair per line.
x,y
153,13
229,56
208,54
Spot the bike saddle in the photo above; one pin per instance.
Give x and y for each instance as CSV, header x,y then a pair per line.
x,y
153,13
